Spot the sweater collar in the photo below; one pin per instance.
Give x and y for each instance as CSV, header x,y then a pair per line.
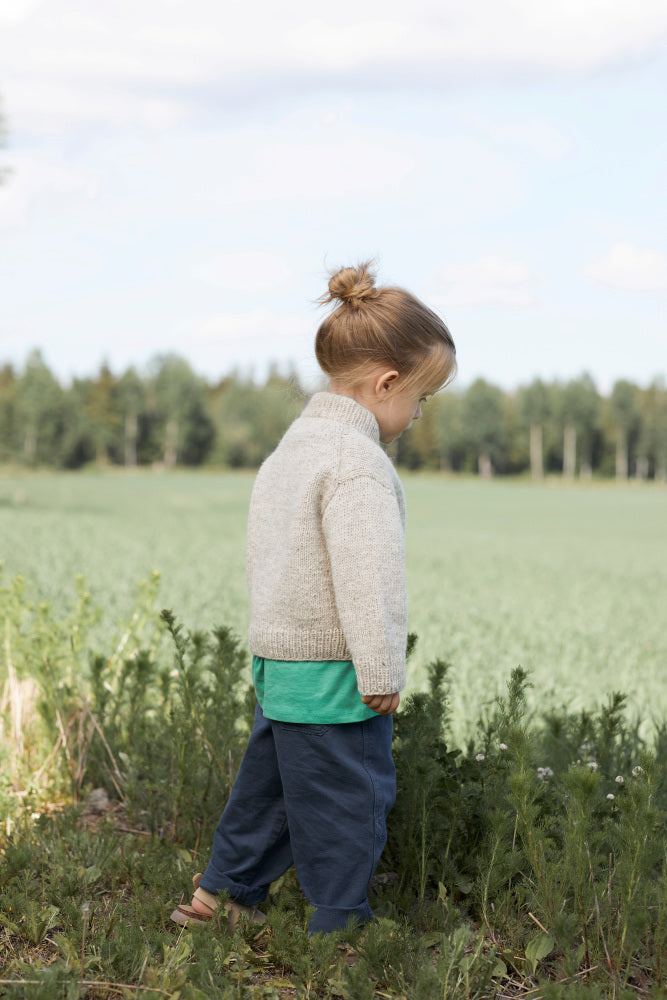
x,y
332,406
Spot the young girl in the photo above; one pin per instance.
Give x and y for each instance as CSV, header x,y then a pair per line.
x,y
328,618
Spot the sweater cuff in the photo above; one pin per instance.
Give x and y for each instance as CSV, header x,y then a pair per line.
x,y
379,677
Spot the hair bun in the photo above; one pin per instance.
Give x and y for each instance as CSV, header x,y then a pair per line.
x,y
352,284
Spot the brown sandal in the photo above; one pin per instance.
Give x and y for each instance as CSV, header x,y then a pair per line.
x,y
185,914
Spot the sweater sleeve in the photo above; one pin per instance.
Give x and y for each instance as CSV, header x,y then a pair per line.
x,y
365,540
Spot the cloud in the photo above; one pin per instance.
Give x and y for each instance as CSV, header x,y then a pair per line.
x,y
253,339
260,332
534,134
242,271
331,164
15,10
52,105
41,187
631,269
145,60
488,281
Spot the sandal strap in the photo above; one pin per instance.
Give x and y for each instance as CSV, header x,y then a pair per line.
x,y
192,914
207,898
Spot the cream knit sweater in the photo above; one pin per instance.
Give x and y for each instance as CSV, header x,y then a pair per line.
x,y
325,553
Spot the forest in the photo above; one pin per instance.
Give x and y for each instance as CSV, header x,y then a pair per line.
x,y
168,415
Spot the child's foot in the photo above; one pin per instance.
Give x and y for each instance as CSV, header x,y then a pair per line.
x,y
204,904
201,908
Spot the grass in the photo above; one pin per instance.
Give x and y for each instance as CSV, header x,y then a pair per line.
x,y
565,581
530,863
496,882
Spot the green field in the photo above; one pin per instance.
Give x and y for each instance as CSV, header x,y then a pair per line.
x,y
568,581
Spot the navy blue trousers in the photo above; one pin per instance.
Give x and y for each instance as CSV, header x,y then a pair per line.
x,y
316,796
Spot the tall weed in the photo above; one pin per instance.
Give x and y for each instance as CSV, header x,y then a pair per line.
x,y
548,833
535,853
175,730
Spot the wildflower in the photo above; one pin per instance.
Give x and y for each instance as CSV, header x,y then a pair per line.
x,y
637,770
619,779
503,746
544,773
479,757
173,673
593,765
611,796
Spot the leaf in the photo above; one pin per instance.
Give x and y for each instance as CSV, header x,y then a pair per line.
x,y
511,959
9,924
88,876
499,970
337,988
538,948
432,939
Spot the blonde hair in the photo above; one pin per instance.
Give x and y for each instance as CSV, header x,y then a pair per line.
x,y
382,326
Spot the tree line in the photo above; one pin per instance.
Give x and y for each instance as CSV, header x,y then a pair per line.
x,y
171,416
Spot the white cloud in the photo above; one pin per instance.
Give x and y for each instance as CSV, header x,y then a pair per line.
x,y
260,326
489,281
252,339
331,167
127,59
534,134
242,271
629,268
14,10
51,105
38,187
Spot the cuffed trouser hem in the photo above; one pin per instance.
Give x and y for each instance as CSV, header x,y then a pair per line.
x,y
239,893
316,796
333,918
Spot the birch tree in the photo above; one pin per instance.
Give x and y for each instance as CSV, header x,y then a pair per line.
x,y
625,415
483,425
535,409
579,404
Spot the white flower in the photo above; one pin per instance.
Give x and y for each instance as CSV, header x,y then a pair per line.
x,y
637,771
173,673
544,773
619,779
503,746
610,796
593,764
584,747
480,757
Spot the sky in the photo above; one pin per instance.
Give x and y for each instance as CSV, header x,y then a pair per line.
x,y
182,176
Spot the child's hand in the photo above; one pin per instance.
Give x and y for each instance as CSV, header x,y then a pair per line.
x,y
383,704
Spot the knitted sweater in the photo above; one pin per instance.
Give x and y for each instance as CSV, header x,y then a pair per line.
x,y
325,555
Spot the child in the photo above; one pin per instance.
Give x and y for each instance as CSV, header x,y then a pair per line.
x,y
328,618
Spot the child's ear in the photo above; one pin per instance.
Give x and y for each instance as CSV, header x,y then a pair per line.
x,y
385,382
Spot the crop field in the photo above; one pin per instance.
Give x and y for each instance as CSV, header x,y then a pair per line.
x,y
569,582
525,852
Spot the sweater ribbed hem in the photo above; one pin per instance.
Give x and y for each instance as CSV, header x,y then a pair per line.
x,y
293,644
332,406
374,676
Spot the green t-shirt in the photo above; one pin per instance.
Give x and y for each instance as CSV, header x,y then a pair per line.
x,y
322,691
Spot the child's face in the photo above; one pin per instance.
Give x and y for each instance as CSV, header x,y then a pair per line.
x,y
397,413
